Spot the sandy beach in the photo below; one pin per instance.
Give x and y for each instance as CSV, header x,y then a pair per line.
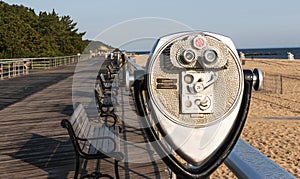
x,y
273,124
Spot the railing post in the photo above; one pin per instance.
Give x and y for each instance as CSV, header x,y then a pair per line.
x,y
23,68
1,71
13,69
18,68
32,66
27,66
8,70
49,63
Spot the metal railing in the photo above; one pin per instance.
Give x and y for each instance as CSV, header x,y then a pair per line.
x,y
16,67
244,160
12,68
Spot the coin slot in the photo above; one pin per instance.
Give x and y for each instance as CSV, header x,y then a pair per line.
x,y
201,80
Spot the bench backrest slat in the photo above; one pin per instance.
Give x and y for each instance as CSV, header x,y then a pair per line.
x,y
102,79
80,124
99,90
113,134
100,143
106,145
85,126
93,148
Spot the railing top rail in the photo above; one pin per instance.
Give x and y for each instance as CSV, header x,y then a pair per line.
x,y
246,161
6,61
134,65
36,58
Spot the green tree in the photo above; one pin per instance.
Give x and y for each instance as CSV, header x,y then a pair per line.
x,y
23,33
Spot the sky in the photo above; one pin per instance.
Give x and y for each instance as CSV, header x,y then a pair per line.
x,y
250,24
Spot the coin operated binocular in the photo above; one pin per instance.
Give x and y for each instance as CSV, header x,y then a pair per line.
x,y
193,99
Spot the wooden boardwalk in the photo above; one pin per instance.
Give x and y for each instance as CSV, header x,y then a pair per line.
x,y
34,145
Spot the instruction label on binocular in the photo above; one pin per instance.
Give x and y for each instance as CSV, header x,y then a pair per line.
x,y
165,83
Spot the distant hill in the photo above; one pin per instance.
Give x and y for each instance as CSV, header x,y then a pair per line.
x,y
96,45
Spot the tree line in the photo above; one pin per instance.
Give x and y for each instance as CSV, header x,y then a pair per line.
x,y
23,33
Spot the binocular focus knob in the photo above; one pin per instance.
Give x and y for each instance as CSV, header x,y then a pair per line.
x,y
188,103
203,104
257,79
198,87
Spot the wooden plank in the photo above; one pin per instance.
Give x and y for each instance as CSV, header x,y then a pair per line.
x,y
94,143
34,145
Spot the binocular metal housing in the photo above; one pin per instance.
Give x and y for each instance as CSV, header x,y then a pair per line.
x,y
193,99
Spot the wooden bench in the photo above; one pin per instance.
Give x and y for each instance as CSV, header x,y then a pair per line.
x,y
105,101
106,84
93,141
111,71
114,65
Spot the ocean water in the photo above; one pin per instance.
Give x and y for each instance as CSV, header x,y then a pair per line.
x,y
277,53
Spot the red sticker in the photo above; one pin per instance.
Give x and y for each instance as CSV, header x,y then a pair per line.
x,y
199,42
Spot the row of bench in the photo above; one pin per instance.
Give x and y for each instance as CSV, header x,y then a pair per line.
x,y
100,139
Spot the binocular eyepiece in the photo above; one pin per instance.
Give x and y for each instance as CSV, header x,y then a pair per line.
x,y
196,52
189,57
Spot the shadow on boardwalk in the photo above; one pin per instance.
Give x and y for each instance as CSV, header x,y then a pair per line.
x,y
47,154
34,145
15,89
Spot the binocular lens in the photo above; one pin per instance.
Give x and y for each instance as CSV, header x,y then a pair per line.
x,y
210,56
188,56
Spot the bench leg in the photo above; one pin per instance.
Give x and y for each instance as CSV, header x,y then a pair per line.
x,y
117,169
77,167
